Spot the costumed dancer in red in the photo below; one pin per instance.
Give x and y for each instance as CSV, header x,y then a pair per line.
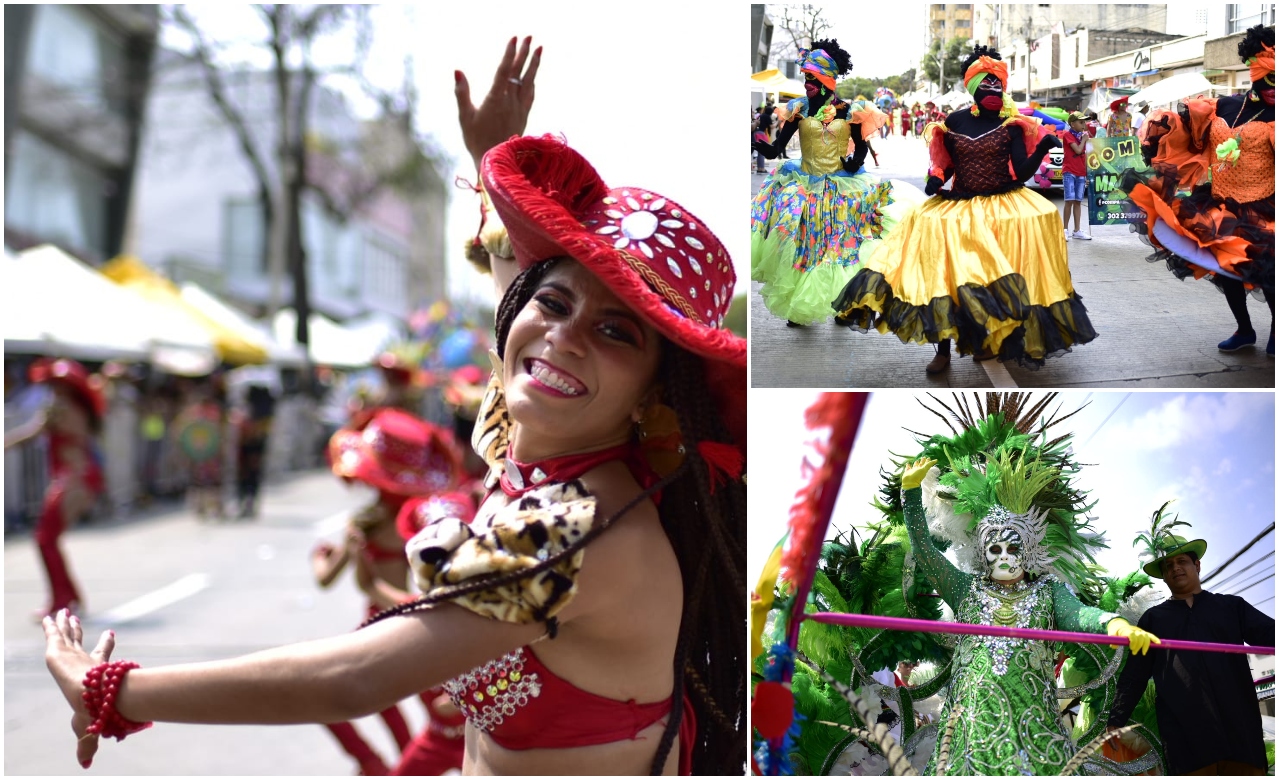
x,y
1225,227
75,477
589,620
400,456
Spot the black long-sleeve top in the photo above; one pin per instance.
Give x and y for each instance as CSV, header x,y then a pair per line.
x,y
1205,703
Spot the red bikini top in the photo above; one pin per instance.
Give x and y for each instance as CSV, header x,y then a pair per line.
x,y
522,705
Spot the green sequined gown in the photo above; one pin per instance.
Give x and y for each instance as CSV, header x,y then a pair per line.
x,y
1006,687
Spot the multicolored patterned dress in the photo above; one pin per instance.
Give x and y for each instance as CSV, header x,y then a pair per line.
x,y
1007,689
811,220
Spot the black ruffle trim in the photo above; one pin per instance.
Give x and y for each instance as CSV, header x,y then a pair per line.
x,y
1045,331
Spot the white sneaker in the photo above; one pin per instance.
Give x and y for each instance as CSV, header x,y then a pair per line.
x,y
1082,236
1067,234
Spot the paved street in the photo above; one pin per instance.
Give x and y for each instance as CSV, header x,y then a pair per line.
x,y
1152,330
178,591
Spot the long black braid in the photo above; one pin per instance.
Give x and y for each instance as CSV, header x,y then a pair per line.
x,y
707,531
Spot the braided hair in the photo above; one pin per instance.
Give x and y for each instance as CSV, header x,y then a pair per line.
x,y
843,61
1254,39
707,531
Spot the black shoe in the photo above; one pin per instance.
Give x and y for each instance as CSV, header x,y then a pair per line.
x,y
843,323
794,324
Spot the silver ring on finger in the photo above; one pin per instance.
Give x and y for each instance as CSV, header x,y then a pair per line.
x,y
515,81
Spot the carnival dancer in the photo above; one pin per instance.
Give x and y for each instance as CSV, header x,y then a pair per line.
x,y
400,456
1225,227
1205,703
813,217
1020,555
1120,122
618,548
984,263
70,422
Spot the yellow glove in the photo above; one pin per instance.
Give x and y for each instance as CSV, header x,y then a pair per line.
x,y
1138,641
915,472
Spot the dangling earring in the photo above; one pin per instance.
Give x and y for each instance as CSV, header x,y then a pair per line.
x,y
1253,96
974,110
660,438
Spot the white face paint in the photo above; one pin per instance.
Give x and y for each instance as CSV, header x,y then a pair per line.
x,y
1003,555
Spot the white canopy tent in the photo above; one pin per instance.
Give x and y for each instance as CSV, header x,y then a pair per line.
x,y
1172,89
253,332
57,305
333,344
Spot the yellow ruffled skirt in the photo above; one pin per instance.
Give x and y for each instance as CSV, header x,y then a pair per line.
x,y
989,272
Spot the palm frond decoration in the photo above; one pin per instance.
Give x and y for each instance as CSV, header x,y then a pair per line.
x,y
1161,526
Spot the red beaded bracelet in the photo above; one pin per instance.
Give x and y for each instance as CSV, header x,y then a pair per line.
x,y
101,684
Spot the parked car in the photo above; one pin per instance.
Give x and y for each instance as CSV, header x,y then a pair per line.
x,y
1048,176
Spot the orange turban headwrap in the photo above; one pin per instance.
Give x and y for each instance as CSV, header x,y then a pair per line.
x,y
984,64
1262,64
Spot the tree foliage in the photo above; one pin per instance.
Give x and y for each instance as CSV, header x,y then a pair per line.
x,y
802,24
952,57
856,86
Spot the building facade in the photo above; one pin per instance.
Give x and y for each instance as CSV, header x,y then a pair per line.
x,y
1031,21
200,214
76,84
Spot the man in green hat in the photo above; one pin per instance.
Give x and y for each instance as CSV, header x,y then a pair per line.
x,y
1205,703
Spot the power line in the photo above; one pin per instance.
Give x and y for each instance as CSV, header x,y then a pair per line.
x,y
1112,414
1254,582
1263,601
1232,558
1266,557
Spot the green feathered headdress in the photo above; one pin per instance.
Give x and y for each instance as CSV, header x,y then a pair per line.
x,y
1000,468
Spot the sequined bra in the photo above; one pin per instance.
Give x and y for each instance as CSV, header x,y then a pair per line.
x,y
982,164
521,705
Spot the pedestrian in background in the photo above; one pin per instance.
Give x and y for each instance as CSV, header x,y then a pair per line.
x,y
1074,174
253,426
198,431
1120,123
70,422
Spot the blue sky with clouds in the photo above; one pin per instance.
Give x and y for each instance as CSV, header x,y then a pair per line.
x,y
1213,452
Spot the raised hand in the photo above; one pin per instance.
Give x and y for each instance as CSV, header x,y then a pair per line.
x,y
504,110
913,475
68,662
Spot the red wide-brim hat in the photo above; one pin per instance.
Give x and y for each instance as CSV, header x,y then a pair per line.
x,y
75,377
654,255
397,453
1115,104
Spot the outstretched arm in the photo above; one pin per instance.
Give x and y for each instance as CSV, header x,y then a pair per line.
x,y
324,681
951,583
25,432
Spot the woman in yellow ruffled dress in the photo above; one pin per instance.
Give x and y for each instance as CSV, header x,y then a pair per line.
x,y
814,217
983,263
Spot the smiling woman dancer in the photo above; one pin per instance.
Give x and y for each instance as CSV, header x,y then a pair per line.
x,y
591,619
